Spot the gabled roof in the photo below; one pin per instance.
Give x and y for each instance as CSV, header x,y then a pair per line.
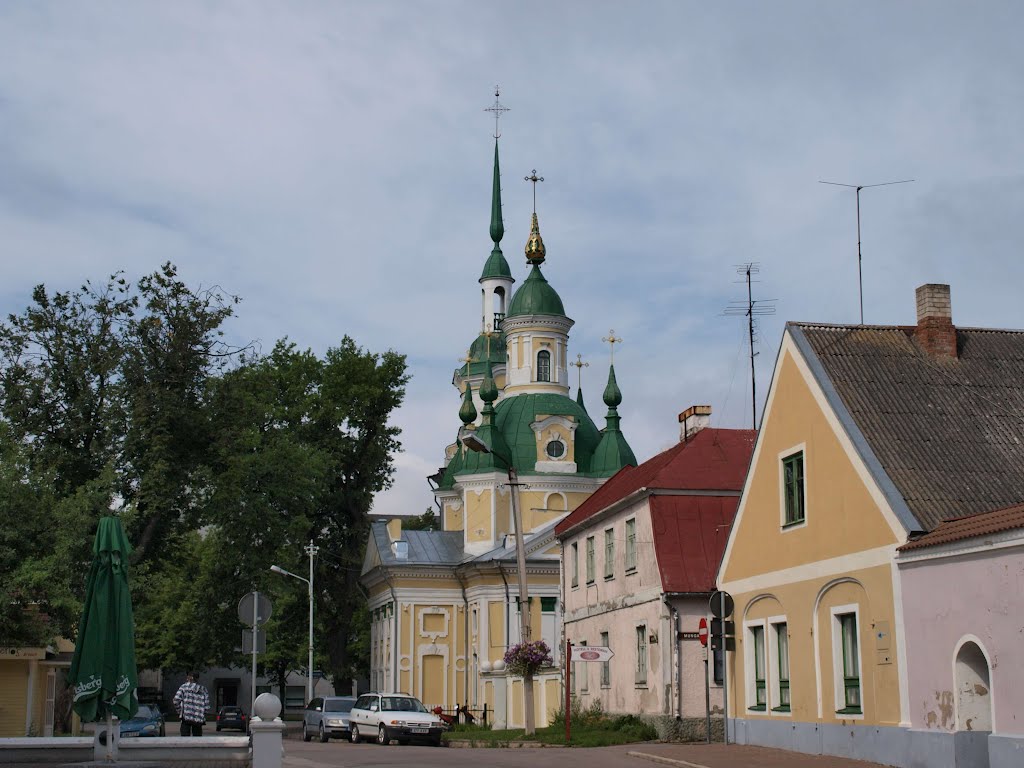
x,y
985,524
712,460
945,433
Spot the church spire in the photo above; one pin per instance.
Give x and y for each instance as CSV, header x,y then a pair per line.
x,y
497,226
467,413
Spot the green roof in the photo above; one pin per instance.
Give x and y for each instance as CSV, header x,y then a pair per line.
x,y
478,351
613,452
496,266
535,297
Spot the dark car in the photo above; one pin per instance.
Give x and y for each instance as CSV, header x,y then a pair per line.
x,y
148,721
326,717
232,717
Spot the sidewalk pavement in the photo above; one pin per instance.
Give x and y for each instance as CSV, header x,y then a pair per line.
x,y
736,756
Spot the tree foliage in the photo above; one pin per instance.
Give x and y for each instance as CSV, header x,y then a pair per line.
x,y
220,462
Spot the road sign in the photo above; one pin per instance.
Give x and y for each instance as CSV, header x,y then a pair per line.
x,y
263,607
591,653
716,604
261,641
702,631
689,636
723,627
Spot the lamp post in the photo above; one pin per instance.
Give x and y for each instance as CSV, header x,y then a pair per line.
x,y
311,550
474,443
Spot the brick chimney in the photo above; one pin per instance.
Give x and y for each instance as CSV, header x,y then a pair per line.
x,y
935,330
693,420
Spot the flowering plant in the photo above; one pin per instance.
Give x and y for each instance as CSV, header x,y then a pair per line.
x,y
526,658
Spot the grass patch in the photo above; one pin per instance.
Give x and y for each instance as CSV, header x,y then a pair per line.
x,y
590,728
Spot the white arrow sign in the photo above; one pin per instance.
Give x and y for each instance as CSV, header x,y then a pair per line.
x,y
592,653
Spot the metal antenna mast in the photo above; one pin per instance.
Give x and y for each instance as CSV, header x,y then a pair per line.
x,y
750,309
859,187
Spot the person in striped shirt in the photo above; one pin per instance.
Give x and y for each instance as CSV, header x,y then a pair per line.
x,y
191,702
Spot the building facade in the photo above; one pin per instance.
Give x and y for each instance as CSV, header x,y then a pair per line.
x,y
446,604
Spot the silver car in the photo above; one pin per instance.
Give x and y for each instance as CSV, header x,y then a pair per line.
x,y
326,717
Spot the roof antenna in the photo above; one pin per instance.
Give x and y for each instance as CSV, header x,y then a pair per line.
x,y
859,187
750,309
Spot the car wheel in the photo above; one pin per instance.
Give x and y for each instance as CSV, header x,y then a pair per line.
x,y
354,734
306,736
382,736
324,738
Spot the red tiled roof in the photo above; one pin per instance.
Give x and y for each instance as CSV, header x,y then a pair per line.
x,y
984,524
713,460
690,533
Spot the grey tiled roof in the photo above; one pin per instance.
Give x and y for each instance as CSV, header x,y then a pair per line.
x,y
425,547
948,432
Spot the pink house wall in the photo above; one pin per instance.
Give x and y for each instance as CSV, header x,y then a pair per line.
x,y
973,595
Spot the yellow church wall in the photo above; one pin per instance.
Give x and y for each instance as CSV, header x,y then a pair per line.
x,y
453,515
495,631
515,711
13,684
478,516
841,514
552,689
814,666
503,514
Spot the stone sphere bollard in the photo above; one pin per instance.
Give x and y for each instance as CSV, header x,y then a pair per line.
x,y
267,706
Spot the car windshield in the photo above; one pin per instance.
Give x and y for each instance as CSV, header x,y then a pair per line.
x,y
401,704
145,713
338,705
231,710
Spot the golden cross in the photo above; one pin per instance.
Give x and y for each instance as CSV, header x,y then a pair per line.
x,y
612,339
579,365
488,332
468,359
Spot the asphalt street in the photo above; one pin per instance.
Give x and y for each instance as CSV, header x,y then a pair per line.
x,y
299,754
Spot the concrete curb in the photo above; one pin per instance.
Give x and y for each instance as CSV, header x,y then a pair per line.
x,y
665,760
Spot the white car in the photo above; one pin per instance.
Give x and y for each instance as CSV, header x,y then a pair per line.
x,y
387,716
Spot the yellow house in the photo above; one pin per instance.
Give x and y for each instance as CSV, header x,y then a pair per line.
x,y
871,435
445,604
31,681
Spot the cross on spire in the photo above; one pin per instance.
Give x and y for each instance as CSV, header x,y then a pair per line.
x,y
468,359
579,365
488,332
611,339
534,178
498,109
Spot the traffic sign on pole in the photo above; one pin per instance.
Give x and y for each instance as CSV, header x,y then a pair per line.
x,y
254,608
702,631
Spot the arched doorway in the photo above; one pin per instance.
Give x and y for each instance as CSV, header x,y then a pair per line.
x,y
973,689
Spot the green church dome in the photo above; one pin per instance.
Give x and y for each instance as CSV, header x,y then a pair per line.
x,y
478,351
496,266
535,297
514,416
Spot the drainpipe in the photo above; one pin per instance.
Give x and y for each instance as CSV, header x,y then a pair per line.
x,y
466,648
394,634
677,658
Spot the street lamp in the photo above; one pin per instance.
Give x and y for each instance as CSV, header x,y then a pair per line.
x,y
476,444
311,550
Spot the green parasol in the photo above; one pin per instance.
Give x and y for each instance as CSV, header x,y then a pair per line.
x,y
103,668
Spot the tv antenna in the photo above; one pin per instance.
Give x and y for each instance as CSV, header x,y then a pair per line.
x,y
859,187
751,309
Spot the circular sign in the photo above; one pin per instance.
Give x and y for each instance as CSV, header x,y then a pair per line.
x,y
702,631
262,605
715,603
589,655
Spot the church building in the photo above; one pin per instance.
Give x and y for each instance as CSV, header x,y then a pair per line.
x,y
445,604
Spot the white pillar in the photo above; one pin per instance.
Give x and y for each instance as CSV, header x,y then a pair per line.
x,y
30,695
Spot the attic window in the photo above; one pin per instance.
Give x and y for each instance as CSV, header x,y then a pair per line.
x,y
555,449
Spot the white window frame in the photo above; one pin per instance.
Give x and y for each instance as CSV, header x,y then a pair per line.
x,y
590,555
609,562
750,667
643,657
546,352
606,666
800,448
581,672
774,676
631,546
838,676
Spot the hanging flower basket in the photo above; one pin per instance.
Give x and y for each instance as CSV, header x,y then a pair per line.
x,y
526,658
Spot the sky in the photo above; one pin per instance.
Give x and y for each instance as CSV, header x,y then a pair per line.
x,y
330,163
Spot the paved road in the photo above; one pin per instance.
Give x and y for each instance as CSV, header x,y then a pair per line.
x,y
337,754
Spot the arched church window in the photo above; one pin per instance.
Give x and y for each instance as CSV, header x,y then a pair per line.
x,y
543,365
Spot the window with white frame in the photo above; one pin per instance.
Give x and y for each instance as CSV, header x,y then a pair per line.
x,y
846,660
606,666
590,559
793,501
581,672
641,654
575,563
609,553
631,544
780,666
757,668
